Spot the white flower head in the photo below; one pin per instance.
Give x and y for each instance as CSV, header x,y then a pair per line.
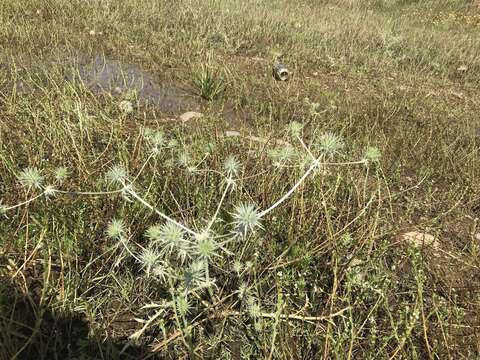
x,y
49,191
171,239
194,275
116,229
231,166
160,271
149,259
246,218
3,208
295,128
330,144
372,155
61,174
206,247
117,173
31,177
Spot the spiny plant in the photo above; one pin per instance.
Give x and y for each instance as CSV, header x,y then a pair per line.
x,y
180,256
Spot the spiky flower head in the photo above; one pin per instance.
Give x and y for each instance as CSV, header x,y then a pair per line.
x,y
125,106
295,128
330,144
183,306
173,143
153,233
156,138
286,153
3,208
116,229
246,218
148,259
159,271
31,177
60,174
117,173
206,247
231,166
242,291
49,191
171,238
237,266
254,308
372,155
194,275
281,155
184,159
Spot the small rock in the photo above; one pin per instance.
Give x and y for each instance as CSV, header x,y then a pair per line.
x,y
189,115
231,133
419,239
477,236
92,33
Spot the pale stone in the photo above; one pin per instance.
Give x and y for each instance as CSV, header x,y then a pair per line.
x,y
419,239
189,115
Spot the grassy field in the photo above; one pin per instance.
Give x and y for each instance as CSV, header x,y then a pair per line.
x,y
331,216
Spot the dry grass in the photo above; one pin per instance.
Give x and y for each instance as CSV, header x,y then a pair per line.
x,y
399,75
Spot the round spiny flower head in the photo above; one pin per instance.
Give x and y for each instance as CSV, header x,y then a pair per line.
x,y
237,266
242,291
149,259
253,308
231,166
173,143
246,218
157,139
273,154
286,153
116,174
153,233
183,305
31,177
125,106
371,155
194,275
3,209
116,229
147,133
184,159
295,128
49,191
206,247
159,271
61,174
330,144
172,238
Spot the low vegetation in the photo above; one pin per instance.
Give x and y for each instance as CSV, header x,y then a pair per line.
x,y
330,216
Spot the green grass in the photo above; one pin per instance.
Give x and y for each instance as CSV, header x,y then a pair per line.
x,y
328,274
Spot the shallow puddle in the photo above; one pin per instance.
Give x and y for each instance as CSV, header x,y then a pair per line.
x,y
102,75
